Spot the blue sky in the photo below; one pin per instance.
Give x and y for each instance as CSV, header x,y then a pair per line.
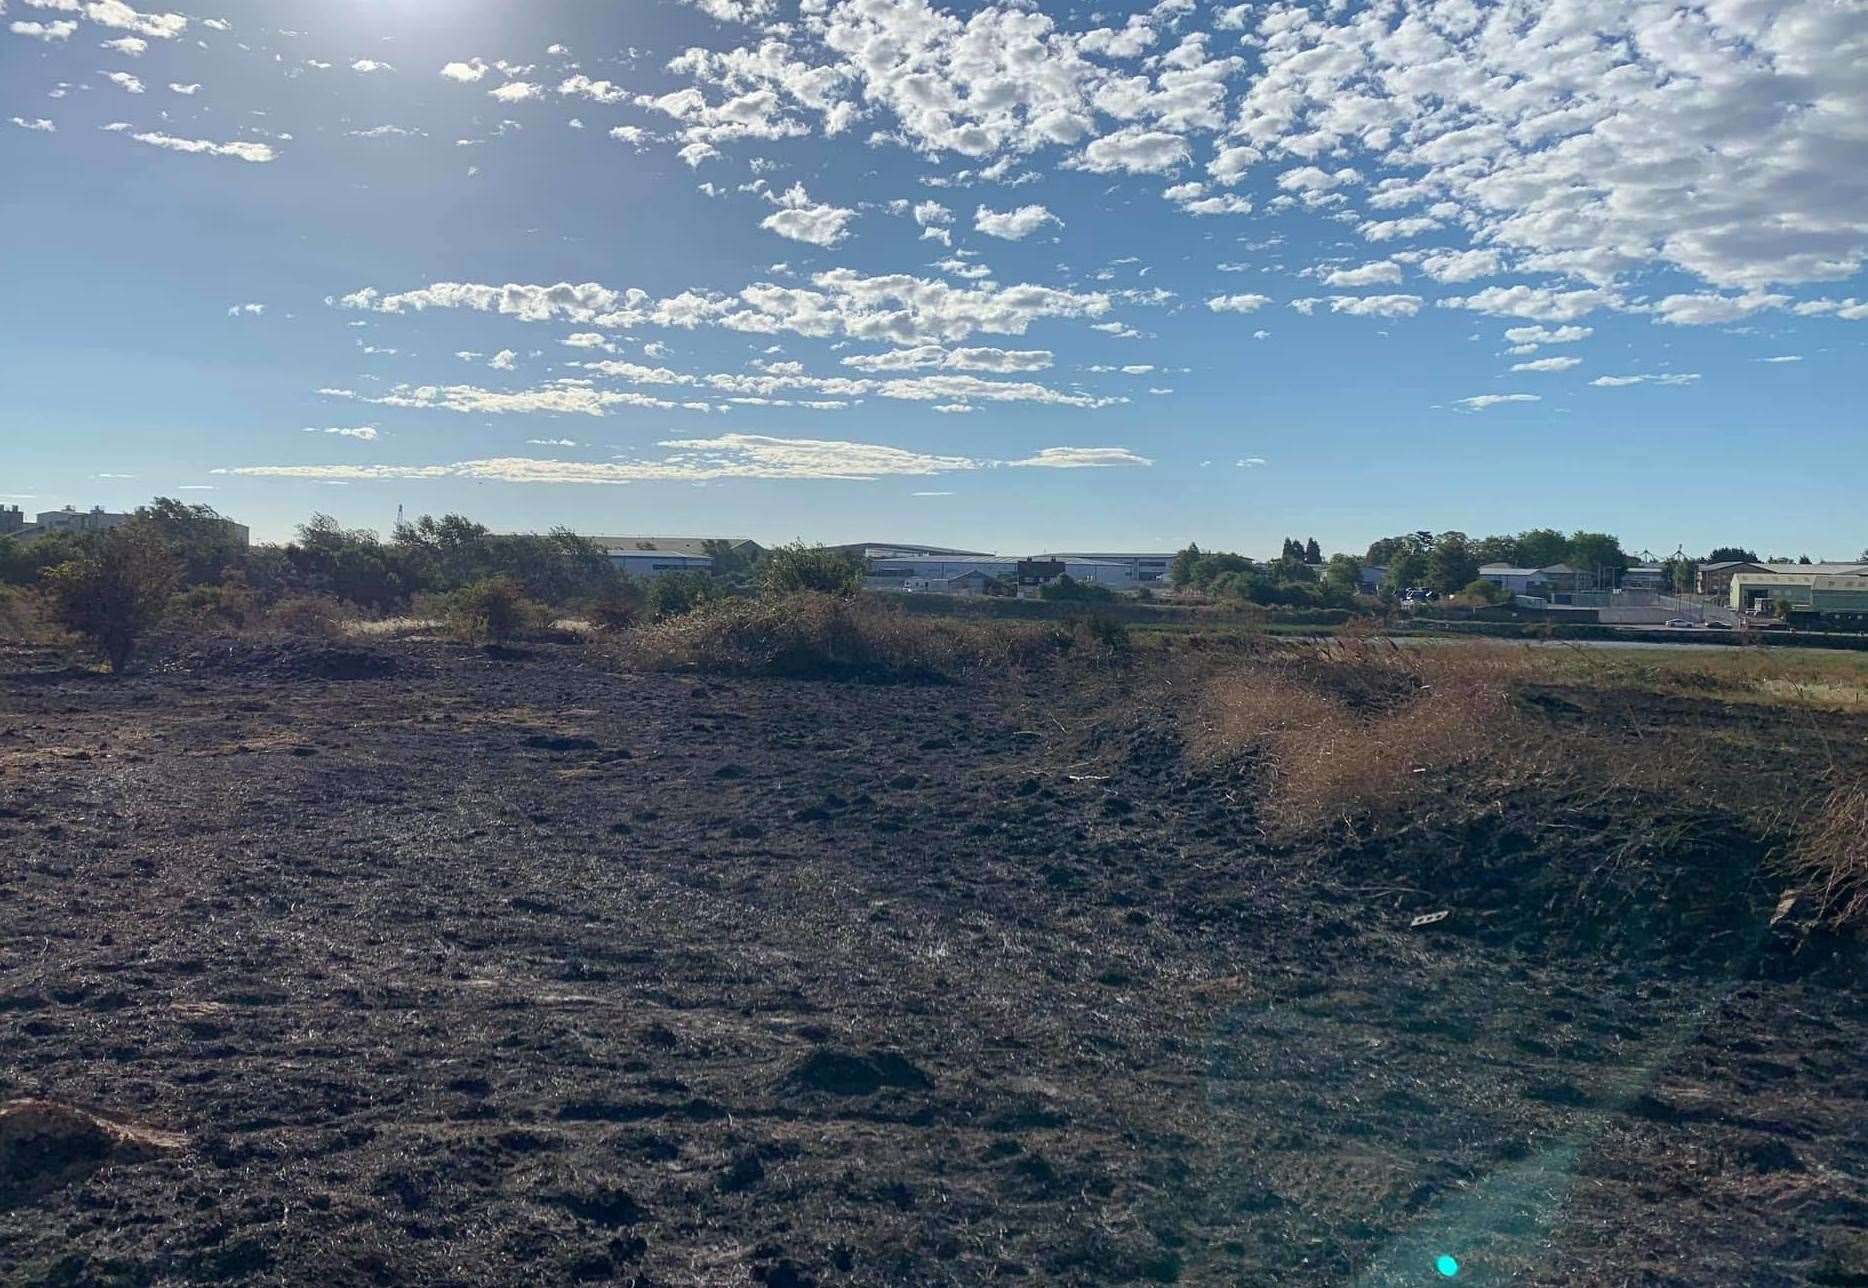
x,y
1001,275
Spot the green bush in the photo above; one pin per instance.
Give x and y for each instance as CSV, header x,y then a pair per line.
x,y
113,596
792,569
1481,591
20,618
675,593
494,611
229,605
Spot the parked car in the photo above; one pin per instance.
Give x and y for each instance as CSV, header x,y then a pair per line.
x,y
1680,623
1718,626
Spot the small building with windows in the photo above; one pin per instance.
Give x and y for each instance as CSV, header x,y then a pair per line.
x,y
1519,581
1647,577
649,564
1714,580
1144,568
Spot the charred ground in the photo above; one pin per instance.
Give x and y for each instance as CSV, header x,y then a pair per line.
x,y
460,968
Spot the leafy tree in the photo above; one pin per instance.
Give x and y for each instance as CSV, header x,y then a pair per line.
x,y
1313,553
23,562
1293,551
1450,564
1497,550
1541,547
1482,591
1804,559
731,559
1597,552
1408,567
1343,574
1732,554
797,567
353,565
1181,571
204,543
1388,549
114,595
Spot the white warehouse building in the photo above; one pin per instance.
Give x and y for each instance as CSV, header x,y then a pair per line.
x,y
657,563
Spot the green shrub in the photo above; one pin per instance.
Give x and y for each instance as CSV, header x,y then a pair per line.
x,y
675,593
789,570
494,611
1070,590
20,618
114,595
1481,591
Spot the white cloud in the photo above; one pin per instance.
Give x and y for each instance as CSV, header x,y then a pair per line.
x,y
1547,364
517,92
1671,378
802,219
240,151
1013,225
504,360
1076,458
1244,303
933,355
366,433
128,46
189,90
466,73
387,132
892,308
1709,309
735,10
1539,303
725,456
246,310
49,32
1378,306
1381,272
1461,265
38,124
1481,401
368,65
1135,150
1525,339
124,81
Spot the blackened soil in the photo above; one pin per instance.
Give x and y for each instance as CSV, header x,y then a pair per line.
x,y
460,969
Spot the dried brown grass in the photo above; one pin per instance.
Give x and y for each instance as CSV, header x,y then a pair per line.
x,y
1361,728
1831,861
822,636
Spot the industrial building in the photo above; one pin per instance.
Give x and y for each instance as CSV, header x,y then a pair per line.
x,y
744,547
1519,581
1827,589
654,563
1714,580
1144,567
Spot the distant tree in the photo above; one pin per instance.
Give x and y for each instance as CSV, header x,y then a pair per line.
x,y
731,559
1450,564
1541,547
204,542
1313,553
1406,568
1597,552
1386,550
1864,556
1732,554
1293,550
114,595
22,563
1180,572
797,567
1804,559
1343,573
1497,550
1481,591
1682,575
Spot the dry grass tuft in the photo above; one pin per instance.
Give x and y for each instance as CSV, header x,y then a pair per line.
x,y
820,636
1363,728
1831,863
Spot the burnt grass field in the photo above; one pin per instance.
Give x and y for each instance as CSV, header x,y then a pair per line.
x,y
452,967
